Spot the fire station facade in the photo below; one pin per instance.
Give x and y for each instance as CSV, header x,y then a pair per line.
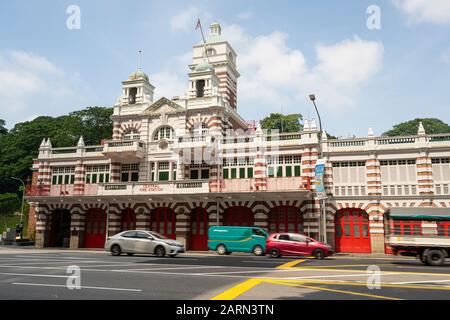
x,y
177,166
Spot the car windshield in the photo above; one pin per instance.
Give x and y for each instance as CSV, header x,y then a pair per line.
x,y
158,235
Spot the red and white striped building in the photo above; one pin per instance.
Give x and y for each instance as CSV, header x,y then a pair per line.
x,y
179,165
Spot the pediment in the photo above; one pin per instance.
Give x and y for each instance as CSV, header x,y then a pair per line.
x,y
164,105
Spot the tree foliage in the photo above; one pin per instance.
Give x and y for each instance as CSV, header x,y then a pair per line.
x,y
282,123
9,204
20,145
410,128
3,130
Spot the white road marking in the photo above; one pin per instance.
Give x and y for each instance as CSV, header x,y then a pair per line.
x,y
33,275
65,286
428,281
175,268
52,262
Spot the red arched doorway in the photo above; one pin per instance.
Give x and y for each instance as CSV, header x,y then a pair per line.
x,y
238,216
128,220
59,228
198,235
352,231
285,219
95,233
163,221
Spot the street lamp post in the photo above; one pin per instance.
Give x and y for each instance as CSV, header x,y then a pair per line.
x,y
322,216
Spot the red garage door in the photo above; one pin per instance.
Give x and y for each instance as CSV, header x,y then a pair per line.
x,y
128,220
285,219
198,236
95,228
163,221
352,231
238,216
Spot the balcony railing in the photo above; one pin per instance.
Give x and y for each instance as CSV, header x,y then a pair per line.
x,y
273,184
124,150
61,191
149,188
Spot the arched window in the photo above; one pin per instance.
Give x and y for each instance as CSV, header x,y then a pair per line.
x,y
131,134
200,129
164,133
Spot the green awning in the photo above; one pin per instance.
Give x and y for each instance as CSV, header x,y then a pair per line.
x,y
422,213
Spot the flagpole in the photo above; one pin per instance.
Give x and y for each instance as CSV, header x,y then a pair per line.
x,y
199,25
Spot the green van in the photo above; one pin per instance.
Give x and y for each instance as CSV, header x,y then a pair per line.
x,y
226,239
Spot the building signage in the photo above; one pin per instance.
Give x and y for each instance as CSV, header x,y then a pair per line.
x,y
319,172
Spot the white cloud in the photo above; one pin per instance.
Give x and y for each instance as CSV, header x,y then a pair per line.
x,y
275,75
349,62
445,57
433,11
30,83
185,20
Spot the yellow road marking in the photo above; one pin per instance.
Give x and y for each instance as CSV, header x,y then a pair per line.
x,y
290,264
312,268
236,291
389,285
339,291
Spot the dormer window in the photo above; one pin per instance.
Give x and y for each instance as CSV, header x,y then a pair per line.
x,y
132,96
200,85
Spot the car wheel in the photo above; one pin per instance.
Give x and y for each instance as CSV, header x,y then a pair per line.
x,y
130,253
318,254
160,251
115,250
275,253
435,258
221,249
258,250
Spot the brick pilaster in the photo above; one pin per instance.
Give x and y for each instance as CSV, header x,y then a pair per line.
x,y
373,176
424,174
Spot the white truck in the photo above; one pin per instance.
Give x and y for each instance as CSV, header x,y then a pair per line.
x,y
420,232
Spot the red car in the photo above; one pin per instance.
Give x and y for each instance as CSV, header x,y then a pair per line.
x,y
294,244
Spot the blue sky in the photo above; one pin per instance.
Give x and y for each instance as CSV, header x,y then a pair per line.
x,y
286,49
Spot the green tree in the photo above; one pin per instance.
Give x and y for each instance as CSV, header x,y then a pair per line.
x,y
283,123
3,130
409,128
95,124
9,204
20,145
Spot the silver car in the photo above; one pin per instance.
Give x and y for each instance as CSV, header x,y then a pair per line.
x,y
140,241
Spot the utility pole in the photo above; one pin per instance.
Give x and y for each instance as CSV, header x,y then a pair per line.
x,y
323,216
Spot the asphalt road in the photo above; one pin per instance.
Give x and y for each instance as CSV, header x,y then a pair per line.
x,y
45,274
